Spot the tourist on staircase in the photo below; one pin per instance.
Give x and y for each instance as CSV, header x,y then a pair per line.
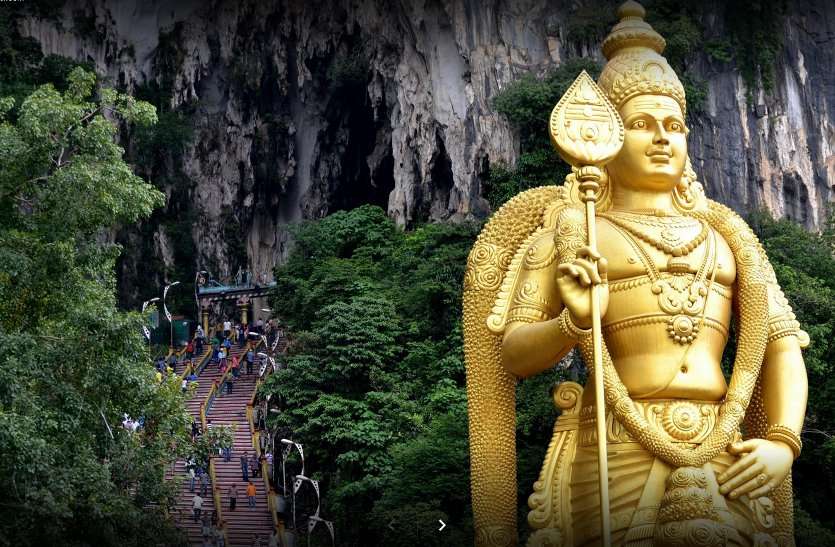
x,y
253,466
250,494
199,339
226,449
250,360
232,493
220,535
245,466
229,380
236,367
221,363
192,477
196,506
204,481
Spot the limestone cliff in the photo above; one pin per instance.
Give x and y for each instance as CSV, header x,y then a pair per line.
x,y
300,108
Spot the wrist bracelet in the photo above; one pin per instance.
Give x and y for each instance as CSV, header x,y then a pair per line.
x,y
786,435
568,327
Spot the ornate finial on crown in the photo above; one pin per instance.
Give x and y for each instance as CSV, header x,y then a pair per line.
x,y
632,31
635,65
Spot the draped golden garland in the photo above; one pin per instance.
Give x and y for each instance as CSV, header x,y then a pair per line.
x,y
751,343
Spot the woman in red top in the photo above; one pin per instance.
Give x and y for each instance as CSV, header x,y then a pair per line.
x,y
236,366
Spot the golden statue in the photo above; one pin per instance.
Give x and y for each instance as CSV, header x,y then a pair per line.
x,y
631,263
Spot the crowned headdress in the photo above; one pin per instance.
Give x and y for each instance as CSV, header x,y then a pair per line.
x,y
636,66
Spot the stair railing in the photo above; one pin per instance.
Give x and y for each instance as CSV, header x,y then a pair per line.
x,y
204,408
278,524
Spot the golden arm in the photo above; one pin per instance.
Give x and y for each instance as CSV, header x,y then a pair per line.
x,y
784,384
535,339
530,348
784,394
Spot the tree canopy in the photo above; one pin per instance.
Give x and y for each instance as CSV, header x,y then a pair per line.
x,y
374,381
72,364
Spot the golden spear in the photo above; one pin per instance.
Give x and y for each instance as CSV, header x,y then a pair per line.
x,y
587,132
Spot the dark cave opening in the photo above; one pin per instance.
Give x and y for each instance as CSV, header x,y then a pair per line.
x,y
796,199
357,183
441,180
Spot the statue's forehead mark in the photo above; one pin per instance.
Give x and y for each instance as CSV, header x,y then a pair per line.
x,y
655,103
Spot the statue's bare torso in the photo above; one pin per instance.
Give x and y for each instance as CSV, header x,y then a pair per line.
x,y
650,363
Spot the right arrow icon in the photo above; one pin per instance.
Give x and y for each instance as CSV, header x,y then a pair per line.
x,y
443,525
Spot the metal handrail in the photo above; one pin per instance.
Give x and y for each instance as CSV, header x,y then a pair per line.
x,y
215,489
256,445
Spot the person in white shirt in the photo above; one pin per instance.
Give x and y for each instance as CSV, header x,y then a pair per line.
x,y
227,328
196,506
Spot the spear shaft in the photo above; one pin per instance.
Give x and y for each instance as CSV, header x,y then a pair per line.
x,y
589,186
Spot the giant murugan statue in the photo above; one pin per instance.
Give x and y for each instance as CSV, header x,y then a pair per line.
x,y
632,264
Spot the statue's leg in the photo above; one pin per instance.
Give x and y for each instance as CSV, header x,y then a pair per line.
x,y
629,468
642,527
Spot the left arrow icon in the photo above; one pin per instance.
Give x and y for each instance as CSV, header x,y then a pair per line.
x,y
443,525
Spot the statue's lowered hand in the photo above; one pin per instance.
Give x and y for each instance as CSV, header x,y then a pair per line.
x,y
761,467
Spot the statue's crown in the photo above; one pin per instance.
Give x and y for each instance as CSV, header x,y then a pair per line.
x,y
636,66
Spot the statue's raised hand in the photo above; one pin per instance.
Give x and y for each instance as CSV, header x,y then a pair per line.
x,y
761,466
574,282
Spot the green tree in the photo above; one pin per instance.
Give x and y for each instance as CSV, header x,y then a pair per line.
x,y
72,365
374,383
805,269
527,104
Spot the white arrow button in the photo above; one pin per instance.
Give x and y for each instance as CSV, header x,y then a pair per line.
x,y
443,525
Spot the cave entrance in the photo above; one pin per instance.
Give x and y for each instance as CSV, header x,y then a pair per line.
x,y
366,174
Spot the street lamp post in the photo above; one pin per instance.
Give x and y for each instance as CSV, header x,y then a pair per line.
x,y
265,358
288,446
197,288
145,330
167,314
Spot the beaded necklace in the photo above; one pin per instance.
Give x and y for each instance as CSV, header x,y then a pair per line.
x,y
669,241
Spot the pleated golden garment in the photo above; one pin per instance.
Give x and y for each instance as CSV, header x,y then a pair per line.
x,y
652,503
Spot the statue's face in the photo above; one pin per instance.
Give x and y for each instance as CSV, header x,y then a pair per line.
x,y
655,144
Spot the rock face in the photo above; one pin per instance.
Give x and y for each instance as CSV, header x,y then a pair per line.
x,y
300,108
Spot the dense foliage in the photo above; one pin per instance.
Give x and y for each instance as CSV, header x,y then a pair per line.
x,y
527,104
805,268
72,365
374,381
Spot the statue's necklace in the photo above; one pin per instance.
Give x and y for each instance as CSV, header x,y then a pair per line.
x,y
684,301
670,241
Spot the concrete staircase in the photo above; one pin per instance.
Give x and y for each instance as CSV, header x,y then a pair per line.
x,y
182,509
230,409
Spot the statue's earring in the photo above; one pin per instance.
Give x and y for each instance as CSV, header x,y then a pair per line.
x,y
683,195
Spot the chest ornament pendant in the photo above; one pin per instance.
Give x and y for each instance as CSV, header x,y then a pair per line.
x,y
681,292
